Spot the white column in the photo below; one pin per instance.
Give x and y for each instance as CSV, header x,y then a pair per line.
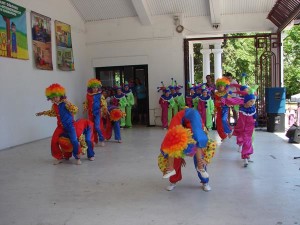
x,y
191,62
206,60
217,60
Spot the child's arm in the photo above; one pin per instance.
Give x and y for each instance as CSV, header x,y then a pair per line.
x,y
50,113
71,107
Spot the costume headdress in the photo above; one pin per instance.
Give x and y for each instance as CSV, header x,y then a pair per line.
x,y
163,88
93,83
177,87
222,82
55,90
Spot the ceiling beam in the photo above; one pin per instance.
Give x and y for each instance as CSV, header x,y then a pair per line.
x,y
215,7
142,11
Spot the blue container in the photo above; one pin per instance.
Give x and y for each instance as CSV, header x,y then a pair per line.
x,y
275,100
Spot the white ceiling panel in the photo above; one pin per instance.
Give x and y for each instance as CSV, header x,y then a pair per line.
x,y
94,10
231,7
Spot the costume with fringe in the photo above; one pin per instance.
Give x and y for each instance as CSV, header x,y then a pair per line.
x,y
95,103
85,135
111,121
222,110
64,112
121,102
185,134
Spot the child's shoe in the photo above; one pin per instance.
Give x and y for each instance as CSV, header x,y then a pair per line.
x,y
171,186
119,141
245,162
78,162
57,161
102,144
169,173
206,187
203,173
92,158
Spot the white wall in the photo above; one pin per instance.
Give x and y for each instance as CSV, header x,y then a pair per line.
x,y
22,86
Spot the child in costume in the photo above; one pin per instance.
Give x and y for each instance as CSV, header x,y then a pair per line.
x,y
84,130
173,94
222,123
185,137
130,102
179,98
206,107
189,96
167,103
245,127
119,100
64,111
94,104
111,120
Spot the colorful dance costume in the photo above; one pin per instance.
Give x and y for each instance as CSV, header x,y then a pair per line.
x,y
119,100
64,112
185,124
84,130
189,96
245,127
179,98
206,108
130,102
94,104
167,103
223,127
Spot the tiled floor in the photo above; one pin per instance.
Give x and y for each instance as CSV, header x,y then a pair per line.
x,y
123,186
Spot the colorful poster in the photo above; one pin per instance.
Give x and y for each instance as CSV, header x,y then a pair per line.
x,y
41,41
64,49
13,31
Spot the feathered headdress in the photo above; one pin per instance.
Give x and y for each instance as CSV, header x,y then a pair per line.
x,y
177,87
162,88
177,141
55,90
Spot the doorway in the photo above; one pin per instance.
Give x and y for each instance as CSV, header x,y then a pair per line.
x,y
136,76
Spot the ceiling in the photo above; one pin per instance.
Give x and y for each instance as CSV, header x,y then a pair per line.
x,y
145,10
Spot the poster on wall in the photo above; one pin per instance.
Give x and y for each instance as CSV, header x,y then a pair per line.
x,y
64,49
13,31
41,41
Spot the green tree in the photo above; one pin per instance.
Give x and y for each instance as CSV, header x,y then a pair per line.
x,y
291,48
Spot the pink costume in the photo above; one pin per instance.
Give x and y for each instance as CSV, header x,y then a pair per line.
x,y
244,130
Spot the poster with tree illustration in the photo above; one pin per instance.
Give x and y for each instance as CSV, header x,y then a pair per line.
x,y
41,41
13,31
64,49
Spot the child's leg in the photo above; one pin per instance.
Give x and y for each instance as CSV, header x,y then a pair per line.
x,y
225,123
170,169
201,163
97,127
89,142
117,130
73,139
202,179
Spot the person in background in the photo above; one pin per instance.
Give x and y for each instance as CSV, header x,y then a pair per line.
x,y
141,100
130,102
